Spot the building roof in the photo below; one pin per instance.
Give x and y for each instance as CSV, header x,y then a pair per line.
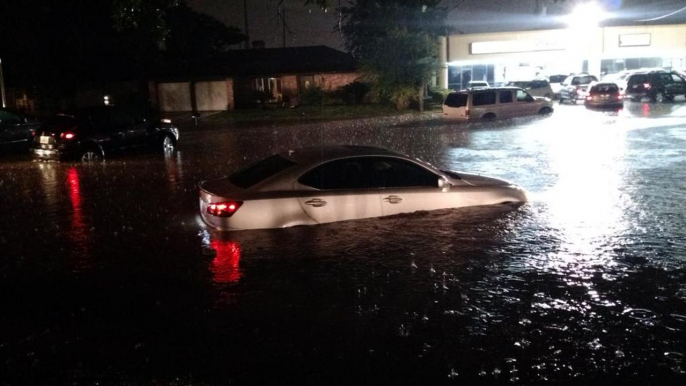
x,y
272,61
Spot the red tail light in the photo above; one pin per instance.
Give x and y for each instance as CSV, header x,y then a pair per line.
x,y
466,112
646,86
620,97
589,98
224,209
67,135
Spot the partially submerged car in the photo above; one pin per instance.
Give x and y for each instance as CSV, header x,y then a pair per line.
x,y
335,183
604,95
575,86
501,102
536,87
92,133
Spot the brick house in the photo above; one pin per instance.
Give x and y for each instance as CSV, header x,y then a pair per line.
x,y
244,78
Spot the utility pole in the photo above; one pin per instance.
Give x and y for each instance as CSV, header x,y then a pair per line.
x,y
245,18
2,86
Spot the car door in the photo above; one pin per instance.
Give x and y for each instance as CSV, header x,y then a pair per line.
x,y
526,104
507,106
407,187
344,191
679,85
133,129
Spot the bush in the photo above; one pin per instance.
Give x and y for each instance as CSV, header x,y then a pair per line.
x,y
438,94
312,96
401,97
354,93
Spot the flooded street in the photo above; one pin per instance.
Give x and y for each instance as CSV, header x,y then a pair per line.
x,y
108,275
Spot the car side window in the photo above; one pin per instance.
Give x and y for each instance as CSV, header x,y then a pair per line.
x,y
483,98
665,78
101,120
536,84
398,173
505,96
522,96
677,79
9,118
122,119
349,173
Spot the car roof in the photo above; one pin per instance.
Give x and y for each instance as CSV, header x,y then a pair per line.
x,y
318,154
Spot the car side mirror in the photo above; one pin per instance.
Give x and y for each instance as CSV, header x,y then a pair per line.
x,y
443,184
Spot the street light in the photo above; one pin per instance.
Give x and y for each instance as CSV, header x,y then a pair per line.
x,y
585,15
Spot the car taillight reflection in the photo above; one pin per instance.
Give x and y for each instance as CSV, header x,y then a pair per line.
x,y
224,209
67,135
225,265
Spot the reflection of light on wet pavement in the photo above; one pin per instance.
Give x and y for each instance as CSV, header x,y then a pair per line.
x,y
225,265
79,234
586,202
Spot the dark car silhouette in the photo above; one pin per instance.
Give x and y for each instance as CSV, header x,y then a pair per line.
x,y
658,86
90,134
15,128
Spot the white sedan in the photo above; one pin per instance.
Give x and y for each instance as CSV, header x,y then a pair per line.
x,y
335,183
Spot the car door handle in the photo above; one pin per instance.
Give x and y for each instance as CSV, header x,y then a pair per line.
x,y
316,202
393,199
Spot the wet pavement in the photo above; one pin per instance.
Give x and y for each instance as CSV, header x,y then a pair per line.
x,y
108,275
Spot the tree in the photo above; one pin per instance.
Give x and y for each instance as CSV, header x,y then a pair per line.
x,y
396,43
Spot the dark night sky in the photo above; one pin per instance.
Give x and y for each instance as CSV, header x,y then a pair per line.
x,y
312,26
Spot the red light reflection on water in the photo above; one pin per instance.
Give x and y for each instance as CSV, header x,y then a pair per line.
x,y
79,233
645,109
225,265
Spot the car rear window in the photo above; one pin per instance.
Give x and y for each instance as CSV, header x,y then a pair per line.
x,y
260,171
483,98
638,78
557,78
608,87
456,100
60,123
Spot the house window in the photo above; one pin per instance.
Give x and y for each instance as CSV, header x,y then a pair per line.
x,y
306,81
271,87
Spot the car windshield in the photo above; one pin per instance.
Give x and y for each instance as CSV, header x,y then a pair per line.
x,y
260,171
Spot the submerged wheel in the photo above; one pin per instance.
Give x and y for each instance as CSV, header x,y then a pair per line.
x,y
545,111
168,145
91,155
488,116
659,97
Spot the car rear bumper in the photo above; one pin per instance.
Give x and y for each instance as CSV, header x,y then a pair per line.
x,y
47,154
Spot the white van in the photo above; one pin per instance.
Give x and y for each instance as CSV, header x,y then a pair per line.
x,y
502,102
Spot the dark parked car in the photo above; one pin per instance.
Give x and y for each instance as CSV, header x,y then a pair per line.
x,y
604,95
92,133
658,86
15,128
575,86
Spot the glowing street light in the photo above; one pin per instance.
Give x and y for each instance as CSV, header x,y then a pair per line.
x,y
586,15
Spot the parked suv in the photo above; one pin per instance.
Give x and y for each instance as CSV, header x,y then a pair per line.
x,y
657,86
502,102
90,134
575,86
536,87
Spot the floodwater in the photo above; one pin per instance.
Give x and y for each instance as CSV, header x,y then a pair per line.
x,y
108,276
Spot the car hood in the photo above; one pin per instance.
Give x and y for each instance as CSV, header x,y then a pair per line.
x,y
478,180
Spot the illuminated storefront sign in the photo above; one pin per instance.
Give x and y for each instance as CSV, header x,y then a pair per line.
x,y
634,40
500,47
